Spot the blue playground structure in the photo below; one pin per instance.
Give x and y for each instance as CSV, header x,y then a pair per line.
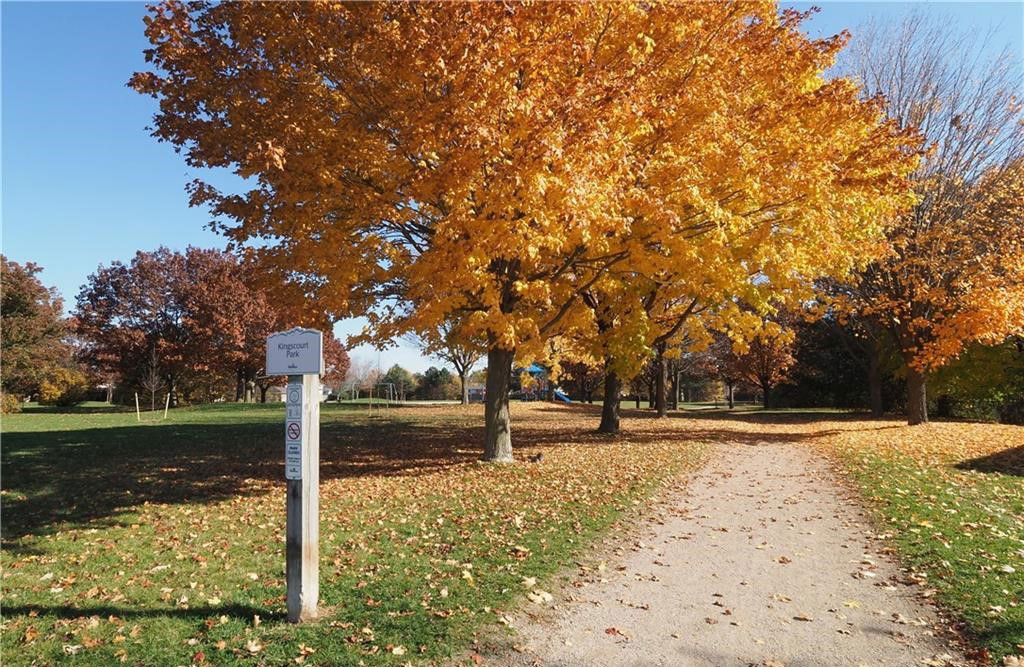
x,y
540,374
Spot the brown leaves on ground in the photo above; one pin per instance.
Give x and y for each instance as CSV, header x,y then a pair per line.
x,y
403,498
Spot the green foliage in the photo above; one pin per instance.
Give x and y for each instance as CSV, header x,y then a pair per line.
x,y
436,384
402,379
985,383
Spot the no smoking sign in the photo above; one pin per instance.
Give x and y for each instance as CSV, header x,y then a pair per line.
x,y
294,430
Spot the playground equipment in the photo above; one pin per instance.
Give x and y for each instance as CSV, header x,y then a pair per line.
x,y
560,395
385,391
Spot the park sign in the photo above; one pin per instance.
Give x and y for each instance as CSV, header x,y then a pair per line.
x,y
298,354
295,352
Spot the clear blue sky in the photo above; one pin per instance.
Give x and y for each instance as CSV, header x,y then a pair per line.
x,y
83,182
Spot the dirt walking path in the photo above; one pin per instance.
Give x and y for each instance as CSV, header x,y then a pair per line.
x,y
760,561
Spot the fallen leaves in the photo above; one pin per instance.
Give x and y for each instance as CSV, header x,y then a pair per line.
x,y
540,597
616,632
203,525
950,497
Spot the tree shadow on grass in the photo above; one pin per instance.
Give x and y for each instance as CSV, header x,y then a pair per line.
x,y
724,425
92,475
105,409
1007,462
1009,635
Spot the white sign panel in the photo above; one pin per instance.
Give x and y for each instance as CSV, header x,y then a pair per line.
x,y
295,352
293,431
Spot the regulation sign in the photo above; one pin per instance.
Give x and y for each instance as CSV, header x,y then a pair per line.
x,y
293,432
295,352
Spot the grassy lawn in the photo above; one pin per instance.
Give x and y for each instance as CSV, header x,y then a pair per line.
x,y
163,542
952,498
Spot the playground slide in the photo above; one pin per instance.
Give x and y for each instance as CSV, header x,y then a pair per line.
x,y
562,397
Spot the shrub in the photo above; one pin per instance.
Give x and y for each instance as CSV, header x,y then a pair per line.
x,y
63,387
1012,412
9,403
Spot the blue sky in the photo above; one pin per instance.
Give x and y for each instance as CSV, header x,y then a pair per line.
x,y
84,184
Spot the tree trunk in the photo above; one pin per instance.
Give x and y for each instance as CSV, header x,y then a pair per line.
x,y
730,394
917,397
263,393
661,383
875,381
239,386
152,400
610,403
497,432
675,390
637,399
465,388
766,393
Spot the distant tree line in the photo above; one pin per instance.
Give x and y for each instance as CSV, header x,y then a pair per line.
x,y
189,326
815,361
433,384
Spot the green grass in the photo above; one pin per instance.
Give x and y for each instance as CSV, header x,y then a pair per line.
x,y
961,531
161,543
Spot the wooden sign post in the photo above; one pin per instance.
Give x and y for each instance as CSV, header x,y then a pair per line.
x,y
298,353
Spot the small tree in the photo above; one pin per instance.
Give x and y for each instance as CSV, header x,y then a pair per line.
x,y
336,362
151,379
762,362
585,377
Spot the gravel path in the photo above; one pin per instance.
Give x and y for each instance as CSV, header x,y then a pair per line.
x,y
759,562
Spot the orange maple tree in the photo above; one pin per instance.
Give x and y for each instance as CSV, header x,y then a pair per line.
x,y
953,271
409,162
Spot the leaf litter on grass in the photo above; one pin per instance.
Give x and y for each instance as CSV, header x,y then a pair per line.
x,y
420,544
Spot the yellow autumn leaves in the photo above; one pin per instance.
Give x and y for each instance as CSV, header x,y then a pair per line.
x,y
509,162
511,154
